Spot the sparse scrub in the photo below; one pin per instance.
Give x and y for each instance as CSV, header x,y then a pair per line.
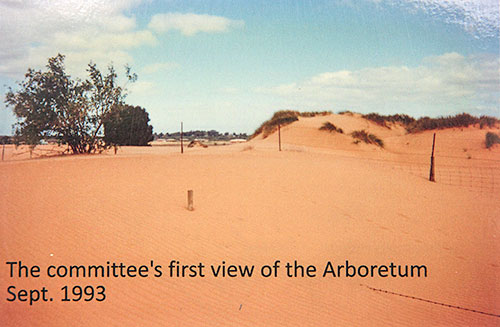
x,y
411,124
314,113
282,118
487,121
331,128
491,139
460,120
382,120
426,123
368,138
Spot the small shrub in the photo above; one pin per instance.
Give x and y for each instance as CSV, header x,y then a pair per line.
x,y
491,139
331,128
362,135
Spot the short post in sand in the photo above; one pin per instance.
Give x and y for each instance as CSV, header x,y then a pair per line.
x,y
279,136
182,144
3,149
190,200
432,176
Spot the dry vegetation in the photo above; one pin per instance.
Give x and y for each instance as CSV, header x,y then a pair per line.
x,y
491,139
460,120
331,128
282,118
383,120
368,138
413,125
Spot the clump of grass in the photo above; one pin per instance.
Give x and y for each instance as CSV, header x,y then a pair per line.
x,y
460,120
331,128
491,139
346,112
382,120
282,118
368,138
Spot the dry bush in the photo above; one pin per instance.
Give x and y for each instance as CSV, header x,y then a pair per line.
x,y
491,139
362,135
331,128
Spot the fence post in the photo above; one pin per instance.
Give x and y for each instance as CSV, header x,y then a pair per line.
x,y
3,149
279,136
190,200
432,176
182,144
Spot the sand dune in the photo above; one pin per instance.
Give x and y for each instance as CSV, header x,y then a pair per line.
x,y
321,199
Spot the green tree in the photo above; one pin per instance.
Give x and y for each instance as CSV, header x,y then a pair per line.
x,y
51,104
127,125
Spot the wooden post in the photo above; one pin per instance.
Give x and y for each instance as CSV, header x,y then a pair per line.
x,y
3,149
182,144
279,136
432,176
190,200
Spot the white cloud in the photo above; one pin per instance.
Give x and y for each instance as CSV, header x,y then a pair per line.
x,y
190,24
451,81
480,18
97,30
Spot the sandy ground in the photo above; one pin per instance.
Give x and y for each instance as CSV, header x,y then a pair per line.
x,y
321,199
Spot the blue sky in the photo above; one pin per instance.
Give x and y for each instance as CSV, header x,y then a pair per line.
x,y
228,65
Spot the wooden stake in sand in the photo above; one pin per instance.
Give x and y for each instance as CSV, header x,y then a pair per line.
x,y
432,176
190,200
3,149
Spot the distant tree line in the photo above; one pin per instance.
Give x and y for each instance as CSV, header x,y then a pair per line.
x,y
211,135
5,139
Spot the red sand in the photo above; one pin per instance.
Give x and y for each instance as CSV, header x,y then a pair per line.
x,y
321,199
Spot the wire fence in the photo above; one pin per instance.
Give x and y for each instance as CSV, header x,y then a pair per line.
x,y
473,173
433,302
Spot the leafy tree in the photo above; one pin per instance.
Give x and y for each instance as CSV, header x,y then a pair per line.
x,y
127,125
51,104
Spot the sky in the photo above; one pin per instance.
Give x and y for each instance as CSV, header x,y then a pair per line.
x,y
229,65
